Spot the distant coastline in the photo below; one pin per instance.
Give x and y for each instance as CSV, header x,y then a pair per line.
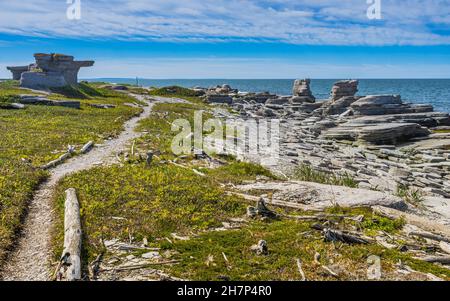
x,y
427,91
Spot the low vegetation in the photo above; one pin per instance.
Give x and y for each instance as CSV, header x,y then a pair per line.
x,y
410,195
39,134
308,174
150,202
177,92
158,127
203,257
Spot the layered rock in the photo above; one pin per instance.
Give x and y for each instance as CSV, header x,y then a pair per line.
x,y
18,70
386,104
39,100
383,133
302,92
219,98
339,106
344,88
53,70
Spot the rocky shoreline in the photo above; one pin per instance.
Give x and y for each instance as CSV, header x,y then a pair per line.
x,y
379,141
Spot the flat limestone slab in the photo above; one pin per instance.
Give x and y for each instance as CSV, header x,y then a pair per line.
x,y
379,133
320,196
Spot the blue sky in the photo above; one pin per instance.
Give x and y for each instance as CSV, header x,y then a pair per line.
x,y
234,38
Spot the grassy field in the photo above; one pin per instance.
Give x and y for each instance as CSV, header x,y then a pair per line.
x,y
39,134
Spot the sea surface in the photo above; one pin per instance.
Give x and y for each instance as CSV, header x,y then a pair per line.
x,y
426,91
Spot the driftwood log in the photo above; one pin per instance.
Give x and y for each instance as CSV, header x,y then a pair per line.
x,y
87,147
70,265
60,160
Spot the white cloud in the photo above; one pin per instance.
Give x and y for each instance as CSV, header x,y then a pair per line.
x,y
291,21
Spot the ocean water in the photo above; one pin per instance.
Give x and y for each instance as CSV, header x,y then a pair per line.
x,y
426,91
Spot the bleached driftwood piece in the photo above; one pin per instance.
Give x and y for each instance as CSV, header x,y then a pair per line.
x,y
70,266
60,160
87,147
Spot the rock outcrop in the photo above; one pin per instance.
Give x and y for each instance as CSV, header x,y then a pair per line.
x,y
39,100
302,92
50,71
386,104
18,70
219,98
339,106
383,133
344,88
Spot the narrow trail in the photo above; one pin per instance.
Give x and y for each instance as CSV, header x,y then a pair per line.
x,y
31,258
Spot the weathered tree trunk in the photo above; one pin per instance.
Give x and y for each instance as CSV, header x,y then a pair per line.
x,y
70,267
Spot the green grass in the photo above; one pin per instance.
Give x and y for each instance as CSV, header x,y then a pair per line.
x,y
155,201
158,126
308,174
40,134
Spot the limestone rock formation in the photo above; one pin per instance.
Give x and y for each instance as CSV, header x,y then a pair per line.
x,y
344,88
18,70
302,92
50,71
386,104
339,106
383,133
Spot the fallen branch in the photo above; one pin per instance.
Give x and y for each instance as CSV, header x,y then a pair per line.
x,y
58,161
